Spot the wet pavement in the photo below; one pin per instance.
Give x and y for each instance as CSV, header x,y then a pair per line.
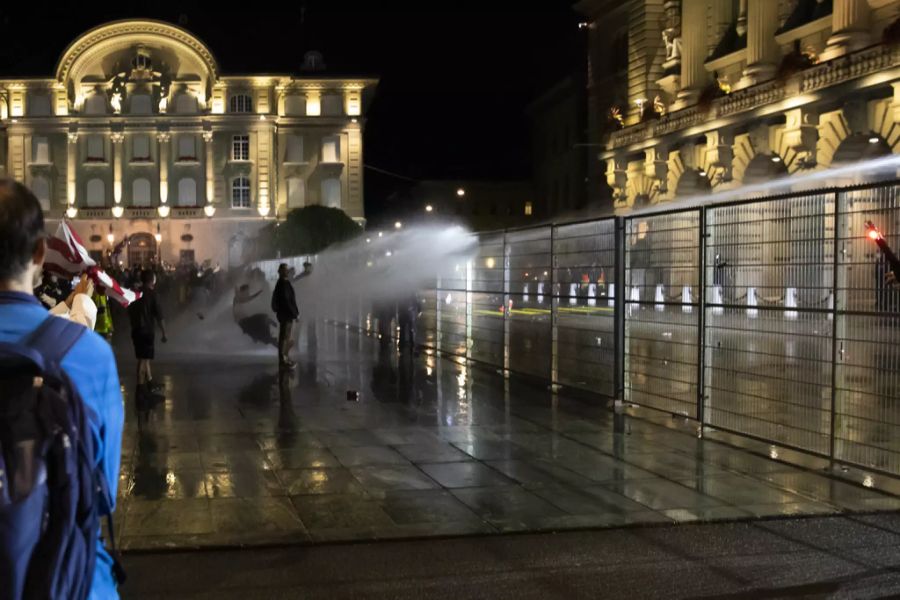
x,y
239,454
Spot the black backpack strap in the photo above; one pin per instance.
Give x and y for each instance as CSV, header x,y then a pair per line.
x,y
54,338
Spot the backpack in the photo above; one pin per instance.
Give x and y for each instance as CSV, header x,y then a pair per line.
x,y
50,487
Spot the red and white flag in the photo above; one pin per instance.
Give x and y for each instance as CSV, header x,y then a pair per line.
x,y
67,257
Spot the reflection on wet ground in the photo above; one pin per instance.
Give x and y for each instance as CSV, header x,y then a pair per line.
x,y
240,454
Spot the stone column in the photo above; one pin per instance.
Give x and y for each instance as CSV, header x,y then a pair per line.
x,y
693,52
850,28
162,139
721,16
762,51
117,137
71,168
210,178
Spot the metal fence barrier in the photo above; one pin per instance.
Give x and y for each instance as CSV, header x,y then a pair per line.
x,y
768,318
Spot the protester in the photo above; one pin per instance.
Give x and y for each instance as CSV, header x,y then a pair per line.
x,y
104,324
79,305
408,309
91,370
145,315
284,305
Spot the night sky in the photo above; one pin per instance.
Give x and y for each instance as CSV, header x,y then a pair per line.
x,y
453,83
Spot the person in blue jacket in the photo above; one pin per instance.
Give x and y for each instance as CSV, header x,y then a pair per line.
x,y
90,363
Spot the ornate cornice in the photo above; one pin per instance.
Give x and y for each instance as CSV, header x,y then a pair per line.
x,y
116,29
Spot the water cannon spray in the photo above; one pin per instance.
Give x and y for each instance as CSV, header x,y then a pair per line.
x,y
875,235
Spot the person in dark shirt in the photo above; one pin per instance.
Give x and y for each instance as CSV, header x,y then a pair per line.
x,y
284,305
145,315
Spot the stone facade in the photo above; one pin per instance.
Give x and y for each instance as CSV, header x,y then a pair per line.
x,y
138,133
722,93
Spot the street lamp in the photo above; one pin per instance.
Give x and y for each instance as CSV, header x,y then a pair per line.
x,y
460,192
158,235
110,237
398,225
428,208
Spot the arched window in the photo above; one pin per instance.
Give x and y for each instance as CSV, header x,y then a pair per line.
x,y
241,103
296,192
240,193
96,193
95,104
331,192
41,189
187,192
187,148
140,192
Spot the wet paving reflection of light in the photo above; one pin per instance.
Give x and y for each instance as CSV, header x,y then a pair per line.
x,y
234,429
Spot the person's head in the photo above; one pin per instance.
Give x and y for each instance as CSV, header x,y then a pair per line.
x,y
22,243
148,279
283,270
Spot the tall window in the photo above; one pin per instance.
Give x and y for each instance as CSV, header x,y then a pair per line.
x,y
141,104
187,149
241,103
295,105
140,148
96,193
39,105
40,150
294,150
41,189
296,192
185,103
187,192
240,147
95,148
331,149
331,192
140,192
95,104
331,105
240,193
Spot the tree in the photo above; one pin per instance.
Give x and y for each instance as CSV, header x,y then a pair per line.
x,y
311,229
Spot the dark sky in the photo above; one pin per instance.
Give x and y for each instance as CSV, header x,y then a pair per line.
x,y
454,83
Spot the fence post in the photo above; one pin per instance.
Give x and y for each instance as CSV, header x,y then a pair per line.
x,y
701,321
619,311
554,313
834,329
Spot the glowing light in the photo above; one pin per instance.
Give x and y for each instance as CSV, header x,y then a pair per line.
x,y
380,234
448,299
398,225
262,117
263,210
158,237
368,240
71,212
388,253
460,192
163,210
773,453
209,210
118,211
874,235
489,263
776,159
874,139
428,208
702,173
110,237
354,121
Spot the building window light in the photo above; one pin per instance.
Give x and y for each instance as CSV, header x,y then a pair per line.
x,y
529,208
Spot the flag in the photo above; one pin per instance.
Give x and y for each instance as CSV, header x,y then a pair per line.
x,y
67,257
